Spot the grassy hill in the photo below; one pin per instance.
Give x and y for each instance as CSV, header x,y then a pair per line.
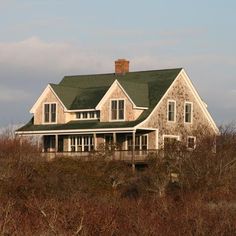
x,y
71,197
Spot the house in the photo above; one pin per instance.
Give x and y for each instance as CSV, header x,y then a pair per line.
x,y
138,111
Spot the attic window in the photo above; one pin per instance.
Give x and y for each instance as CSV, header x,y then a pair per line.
x,y
50,112
171,110
88,115
118,109
188,112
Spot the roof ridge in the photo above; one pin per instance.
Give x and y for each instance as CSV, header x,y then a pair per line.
x,y
139,71
77,88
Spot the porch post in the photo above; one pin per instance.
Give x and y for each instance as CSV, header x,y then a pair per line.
x,y
95,141
114,139
56,143
43,143
21,140
133,151
39,142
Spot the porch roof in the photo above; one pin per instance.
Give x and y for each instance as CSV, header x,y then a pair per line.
x,y
76,125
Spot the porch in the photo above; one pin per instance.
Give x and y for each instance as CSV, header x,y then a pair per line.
x,y
125,146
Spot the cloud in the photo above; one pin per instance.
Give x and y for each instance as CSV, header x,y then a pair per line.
x,y
12,95
28,65
35,54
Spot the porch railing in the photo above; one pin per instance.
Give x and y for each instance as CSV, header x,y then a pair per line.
x,y
119,155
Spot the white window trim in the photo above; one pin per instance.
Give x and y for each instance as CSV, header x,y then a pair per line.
x,y
177,137
167,115
110,112
189,148
43,112
140,141
170,136
186,102
88,115
76,142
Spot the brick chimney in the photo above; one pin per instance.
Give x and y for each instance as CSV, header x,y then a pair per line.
x,y
121,67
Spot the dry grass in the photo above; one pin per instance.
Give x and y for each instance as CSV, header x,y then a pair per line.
x,y
69,197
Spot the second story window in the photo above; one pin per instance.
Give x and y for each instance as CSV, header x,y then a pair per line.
x,y
117,109
171,113
188,110
90,115
50,110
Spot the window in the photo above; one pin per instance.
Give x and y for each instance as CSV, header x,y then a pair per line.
x,y
91,115
81,143
108,142
50,110
171,111
140,142
117,109
114,110
72,144
49,143
85,115
191,142
188,110
170,142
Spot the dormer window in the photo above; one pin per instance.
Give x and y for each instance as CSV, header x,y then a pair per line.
x,y
88,115
117,109
50,112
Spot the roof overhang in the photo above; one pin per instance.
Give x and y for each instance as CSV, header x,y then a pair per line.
x,y
77,131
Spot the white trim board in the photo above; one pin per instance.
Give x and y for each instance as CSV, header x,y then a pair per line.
x,y
177,137
45,132
200,102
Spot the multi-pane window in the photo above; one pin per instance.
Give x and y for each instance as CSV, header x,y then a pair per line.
x,y
121,109
72,144
188,112
109,141
85,115
117,109
81,143
129,143
91,115
191,142
170,142
171,111
140,142
50,110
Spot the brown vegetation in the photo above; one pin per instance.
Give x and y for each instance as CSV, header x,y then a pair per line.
x,y
71,197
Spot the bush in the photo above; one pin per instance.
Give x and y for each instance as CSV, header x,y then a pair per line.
x,y
71,197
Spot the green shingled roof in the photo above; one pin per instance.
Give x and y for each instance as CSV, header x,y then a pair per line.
x,y
81,125
145,88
